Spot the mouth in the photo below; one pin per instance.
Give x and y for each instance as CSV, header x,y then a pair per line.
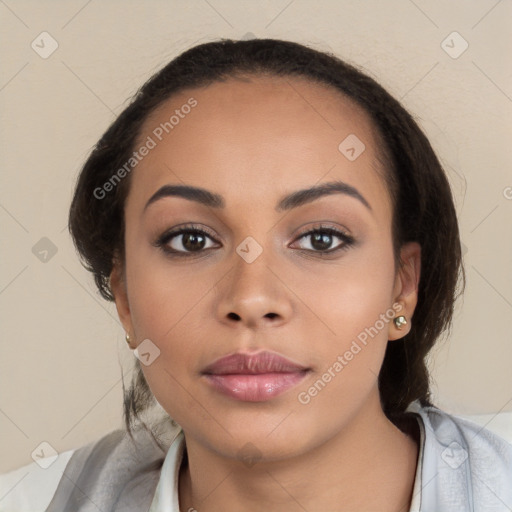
x,y
254,377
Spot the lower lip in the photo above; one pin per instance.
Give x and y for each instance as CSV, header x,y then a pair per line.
x,y
255,388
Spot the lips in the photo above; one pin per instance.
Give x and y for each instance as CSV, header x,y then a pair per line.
x,y
252,364
254,377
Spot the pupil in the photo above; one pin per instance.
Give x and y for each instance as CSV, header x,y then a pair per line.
x,y
321,241
191,241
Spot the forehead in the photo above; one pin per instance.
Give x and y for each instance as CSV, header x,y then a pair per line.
x,y
255,134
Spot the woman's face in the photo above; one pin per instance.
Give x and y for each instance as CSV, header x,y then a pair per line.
x,y
254,280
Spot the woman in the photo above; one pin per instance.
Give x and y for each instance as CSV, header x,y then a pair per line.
x,y
282,247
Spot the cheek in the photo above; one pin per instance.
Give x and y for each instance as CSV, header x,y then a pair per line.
x,y
163,294
350,295
351,311
356,314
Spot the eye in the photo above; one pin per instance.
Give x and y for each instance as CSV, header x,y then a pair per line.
x,y
322,238
185,241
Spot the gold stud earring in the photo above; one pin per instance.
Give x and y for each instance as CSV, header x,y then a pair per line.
x,y
400,321
128,340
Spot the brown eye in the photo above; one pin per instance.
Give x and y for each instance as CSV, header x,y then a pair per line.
x,y
321,240
192,241
184,241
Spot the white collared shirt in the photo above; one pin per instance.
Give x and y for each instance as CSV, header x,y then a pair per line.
x,y
166,496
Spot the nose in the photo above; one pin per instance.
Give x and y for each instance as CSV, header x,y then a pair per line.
x,y
253,295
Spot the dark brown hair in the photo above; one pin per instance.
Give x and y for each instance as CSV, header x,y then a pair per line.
x,y
423,208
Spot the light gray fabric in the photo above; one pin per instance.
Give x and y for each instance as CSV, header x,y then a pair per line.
x,y
110,475
464,467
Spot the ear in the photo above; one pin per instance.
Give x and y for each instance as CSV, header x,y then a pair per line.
x,y
405,292
120,292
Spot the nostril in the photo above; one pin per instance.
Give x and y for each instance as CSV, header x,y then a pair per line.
x,y
271,315
233,316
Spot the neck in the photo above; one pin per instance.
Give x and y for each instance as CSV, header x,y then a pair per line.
x,y
369,465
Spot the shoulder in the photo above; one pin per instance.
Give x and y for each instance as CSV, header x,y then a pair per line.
x,y
445,428
464,465
30,488
119,467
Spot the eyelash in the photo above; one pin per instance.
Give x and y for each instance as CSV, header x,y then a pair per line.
x,y
162,242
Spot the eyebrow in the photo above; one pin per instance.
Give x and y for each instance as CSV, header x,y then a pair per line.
x,y
288,202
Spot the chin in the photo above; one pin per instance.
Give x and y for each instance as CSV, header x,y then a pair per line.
x,y
257,441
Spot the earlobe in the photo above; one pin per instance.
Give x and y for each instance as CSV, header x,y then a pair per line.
x,y
119,291
406,290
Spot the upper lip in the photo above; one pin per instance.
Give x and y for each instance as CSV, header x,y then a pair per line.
x,y
252,364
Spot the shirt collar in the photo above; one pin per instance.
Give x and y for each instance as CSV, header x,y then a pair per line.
x,y
166,497
166,494
416,492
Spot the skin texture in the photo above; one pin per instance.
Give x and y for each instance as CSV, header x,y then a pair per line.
x,y
254,141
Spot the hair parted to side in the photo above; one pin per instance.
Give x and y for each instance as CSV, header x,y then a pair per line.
x,y
423,207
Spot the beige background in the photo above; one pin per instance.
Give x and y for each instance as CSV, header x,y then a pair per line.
x,y
62,345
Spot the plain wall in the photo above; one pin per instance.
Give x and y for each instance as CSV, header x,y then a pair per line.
x,y
62,346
